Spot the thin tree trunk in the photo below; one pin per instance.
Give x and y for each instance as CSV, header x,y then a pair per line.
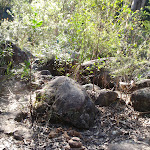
x,y
137,4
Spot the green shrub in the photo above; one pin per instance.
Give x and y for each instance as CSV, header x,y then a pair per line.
x,y
94,28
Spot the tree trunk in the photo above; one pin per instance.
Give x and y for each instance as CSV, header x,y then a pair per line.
x,y
138,4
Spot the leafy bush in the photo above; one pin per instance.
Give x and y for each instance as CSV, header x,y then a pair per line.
x,y
94,28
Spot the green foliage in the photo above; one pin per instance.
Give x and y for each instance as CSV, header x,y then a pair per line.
x,y
5,54
5,3
26,71
95,28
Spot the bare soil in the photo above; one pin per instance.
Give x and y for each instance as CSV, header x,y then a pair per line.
x,y
113,124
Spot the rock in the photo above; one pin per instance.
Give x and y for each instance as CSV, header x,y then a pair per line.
x,y
45,72
101,77
21,116
126,87
52,134
68,102
75,142
40,78
148,75
66,136
67,147
29,54
47,64
17,136
18,56
143,83
128,145
90,87
103,97
36,85
74,133
4,14
76,139
141,99
35,64
44,75
3,71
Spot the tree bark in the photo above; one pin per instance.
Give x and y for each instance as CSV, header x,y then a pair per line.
x,y
137,4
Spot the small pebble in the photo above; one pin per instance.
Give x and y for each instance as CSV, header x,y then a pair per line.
x,y
75,142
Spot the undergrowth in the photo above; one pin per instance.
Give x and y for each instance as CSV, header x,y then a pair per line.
x,y
92,28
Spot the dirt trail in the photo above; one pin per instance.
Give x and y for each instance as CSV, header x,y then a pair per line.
x,y
13,100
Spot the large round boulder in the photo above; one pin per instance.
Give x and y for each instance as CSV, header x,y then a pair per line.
x,y
141,99
64,100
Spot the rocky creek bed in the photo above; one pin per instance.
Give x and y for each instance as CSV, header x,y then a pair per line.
x,y
116,127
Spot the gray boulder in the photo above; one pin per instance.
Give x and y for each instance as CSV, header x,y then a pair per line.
x,y
100,76
143,83
90,87
141,99
64,100
18,56
103,97
12,55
